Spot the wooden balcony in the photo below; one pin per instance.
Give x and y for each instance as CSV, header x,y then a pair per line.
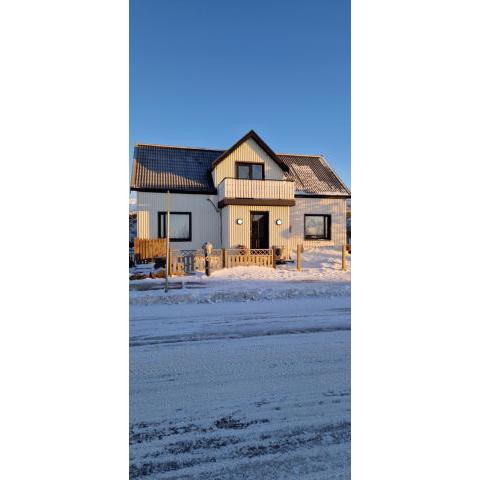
x,y
234,191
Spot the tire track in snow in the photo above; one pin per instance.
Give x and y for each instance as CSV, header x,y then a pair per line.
x,y
175,339
233,449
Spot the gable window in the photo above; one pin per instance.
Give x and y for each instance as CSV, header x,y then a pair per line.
x,y
250,171
318,227
180,226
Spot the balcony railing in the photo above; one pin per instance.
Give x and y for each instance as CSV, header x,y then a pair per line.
x,y
235,188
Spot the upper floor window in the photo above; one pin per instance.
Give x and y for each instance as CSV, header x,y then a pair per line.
x,y
250,171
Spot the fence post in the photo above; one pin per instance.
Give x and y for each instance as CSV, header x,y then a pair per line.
x,y
299,257
223,259
344,258
273,258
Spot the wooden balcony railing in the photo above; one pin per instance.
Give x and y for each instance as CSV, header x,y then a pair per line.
x,y
274,190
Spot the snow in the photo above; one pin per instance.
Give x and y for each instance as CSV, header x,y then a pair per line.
x,y
231,390
321,276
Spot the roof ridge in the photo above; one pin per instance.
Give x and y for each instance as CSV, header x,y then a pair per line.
x,y
302,154
179,146
221,149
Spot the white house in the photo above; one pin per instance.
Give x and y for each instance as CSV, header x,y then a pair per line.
x,y
246,195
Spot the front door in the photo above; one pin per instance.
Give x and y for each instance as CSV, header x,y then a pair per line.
x,y
258,229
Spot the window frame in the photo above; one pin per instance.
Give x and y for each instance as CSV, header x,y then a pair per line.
x,y
328,230
163,214
249,165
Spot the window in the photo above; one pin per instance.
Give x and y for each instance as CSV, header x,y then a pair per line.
x,y
180,226
250,171
317,227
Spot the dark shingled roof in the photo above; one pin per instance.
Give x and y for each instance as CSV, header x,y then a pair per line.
x,y
313,175
158,168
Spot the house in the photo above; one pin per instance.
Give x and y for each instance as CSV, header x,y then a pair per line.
x,y
247,195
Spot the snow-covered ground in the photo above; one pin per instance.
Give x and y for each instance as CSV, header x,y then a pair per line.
x,y
321,276
232,390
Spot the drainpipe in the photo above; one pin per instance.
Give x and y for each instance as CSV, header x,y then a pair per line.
x,y
219,211
167,260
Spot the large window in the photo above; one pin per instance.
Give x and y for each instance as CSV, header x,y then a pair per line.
x,y
317,227
250,171
180,226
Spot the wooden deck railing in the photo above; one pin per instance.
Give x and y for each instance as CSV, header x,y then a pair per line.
x,y
259,189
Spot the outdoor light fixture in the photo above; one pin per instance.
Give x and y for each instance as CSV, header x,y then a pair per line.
x,y
239,221
278,221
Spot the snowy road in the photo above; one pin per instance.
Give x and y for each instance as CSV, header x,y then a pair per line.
x,y
255,390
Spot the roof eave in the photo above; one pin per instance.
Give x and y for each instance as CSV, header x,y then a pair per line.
x,y
174,190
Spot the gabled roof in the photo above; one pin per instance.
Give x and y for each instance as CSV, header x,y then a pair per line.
x,y
313,175
253,135
158,168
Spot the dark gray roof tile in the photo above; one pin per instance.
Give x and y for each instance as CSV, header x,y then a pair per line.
x,y
313,175
174,168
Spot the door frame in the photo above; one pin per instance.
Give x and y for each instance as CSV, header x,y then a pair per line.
x,y
267,214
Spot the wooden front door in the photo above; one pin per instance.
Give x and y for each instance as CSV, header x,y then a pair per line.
x,y
258,229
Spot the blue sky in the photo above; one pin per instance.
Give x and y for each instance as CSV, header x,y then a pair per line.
x,y
203,73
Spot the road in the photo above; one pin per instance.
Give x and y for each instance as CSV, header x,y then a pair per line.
x,y
255,390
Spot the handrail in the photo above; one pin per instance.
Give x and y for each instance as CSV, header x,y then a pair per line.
x,y
257,179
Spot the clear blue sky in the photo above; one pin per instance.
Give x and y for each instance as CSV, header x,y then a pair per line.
x,y
203,73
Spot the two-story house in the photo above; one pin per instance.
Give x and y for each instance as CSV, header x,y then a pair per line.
x,y
246,195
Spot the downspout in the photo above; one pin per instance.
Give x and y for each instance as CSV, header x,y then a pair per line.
x,y
219,211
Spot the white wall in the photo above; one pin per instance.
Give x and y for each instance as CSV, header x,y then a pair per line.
x,y
240,234
205,220
251,152
332,206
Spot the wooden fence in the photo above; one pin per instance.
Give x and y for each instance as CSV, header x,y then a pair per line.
x,y
189,261
216,260
236,257
149,248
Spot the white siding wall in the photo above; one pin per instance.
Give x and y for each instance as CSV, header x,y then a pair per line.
x,y
226,226
248,151
335,207
205,220
240,234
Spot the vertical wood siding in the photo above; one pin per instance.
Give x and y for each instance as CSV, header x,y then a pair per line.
x,y
240,234
332,206
251,152
205,220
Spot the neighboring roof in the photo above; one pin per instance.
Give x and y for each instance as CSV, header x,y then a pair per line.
x,y
158,168
253,135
